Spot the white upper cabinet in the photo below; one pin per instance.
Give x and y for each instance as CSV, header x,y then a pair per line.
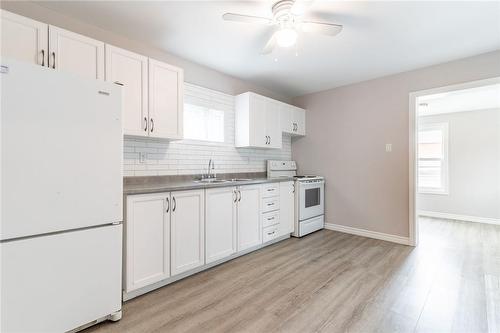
x,y
273,126
257,121
187,230
35,42
220,223
166,89
24,39
249,216
147,245
74,53
130,70
293,119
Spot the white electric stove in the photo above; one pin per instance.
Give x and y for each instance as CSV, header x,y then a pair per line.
x,y
309,196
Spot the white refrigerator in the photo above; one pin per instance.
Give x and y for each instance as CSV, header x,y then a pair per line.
x,y
61,200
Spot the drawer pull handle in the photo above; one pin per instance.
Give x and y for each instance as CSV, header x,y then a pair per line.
x,y
271,204
271,233
270,218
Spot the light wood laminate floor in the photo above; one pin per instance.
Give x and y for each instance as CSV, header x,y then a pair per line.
x,y
335,282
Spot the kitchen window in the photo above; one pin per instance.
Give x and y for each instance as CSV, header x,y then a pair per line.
x,y
206,114
203,123
433,158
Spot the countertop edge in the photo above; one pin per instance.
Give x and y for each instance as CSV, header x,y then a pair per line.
x,y
183,186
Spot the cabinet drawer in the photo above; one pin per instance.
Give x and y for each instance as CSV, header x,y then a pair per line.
x,y
270,190
270,204
271,218
269,233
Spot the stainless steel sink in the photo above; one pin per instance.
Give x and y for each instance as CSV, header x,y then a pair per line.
x,y
211,180
217,181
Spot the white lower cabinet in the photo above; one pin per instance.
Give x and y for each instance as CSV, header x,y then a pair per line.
x,y
220,223
187,230
287,208
171,233
249,216
147,240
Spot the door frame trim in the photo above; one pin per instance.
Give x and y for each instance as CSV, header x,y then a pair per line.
x,y
412,140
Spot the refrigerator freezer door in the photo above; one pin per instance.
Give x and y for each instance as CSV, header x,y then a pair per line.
x,y
62,149
58,282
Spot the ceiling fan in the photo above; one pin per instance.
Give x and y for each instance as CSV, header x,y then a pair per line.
x,y
288,22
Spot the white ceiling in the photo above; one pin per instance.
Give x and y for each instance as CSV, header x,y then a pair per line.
x,y
480,98
379,38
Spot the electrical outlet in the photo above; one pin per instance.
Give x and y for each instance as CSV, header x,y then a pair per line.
x,y
388,147
142,157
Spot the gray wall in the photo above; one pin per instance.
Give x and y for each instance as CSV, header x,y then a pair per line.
x,y
347,129
193,73
474,165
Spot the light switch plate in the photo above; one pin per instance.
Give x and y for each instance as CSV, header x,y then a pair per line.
x,y
388,147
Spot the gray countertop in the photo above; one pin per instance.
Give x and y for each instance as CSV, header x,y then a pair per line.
x,y
157,184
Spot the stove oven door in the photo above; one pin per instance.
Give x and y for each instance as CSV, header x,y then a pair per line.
x,y
311,198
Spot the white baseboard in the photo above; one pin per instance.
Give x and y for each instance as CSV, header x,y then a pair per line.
x,y
488,220
368,233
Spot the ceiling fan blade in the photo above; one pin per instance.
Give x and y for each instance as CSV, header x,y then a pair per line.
x,y
270,45
247,18
300,6
329,29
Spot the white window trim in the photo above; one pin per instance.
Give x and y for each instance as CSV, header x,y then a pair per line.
x,y
445,174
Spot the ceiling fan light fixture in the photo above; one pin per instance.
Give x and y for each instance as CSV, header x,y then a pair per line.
x,y
286,37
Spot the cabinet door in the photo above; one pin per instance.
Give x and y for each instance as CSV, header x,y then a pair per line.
x,y
249,217
257,131
299,116
24,39
165,100
220,224
187,228
147,240
286,121
287,209
130,70
273,126
74,53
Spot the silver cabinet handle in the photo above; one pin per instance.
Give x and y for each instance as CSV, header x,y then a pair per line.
x,y
235,196
269,139
119,83
53,60
175,204
293,187
271,233
145,124
168,205
152,125
43,57
239,199
270,204
270,218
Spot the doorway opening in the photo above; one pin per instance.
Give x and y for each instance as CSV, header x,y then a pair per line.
x,y
454,156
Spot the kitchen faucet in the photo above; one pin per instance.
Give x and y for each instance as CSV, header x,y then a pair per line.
x,y
211,166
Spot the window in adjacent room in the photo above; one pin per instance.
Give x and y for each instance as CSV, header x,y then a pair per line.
x,y
433,158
